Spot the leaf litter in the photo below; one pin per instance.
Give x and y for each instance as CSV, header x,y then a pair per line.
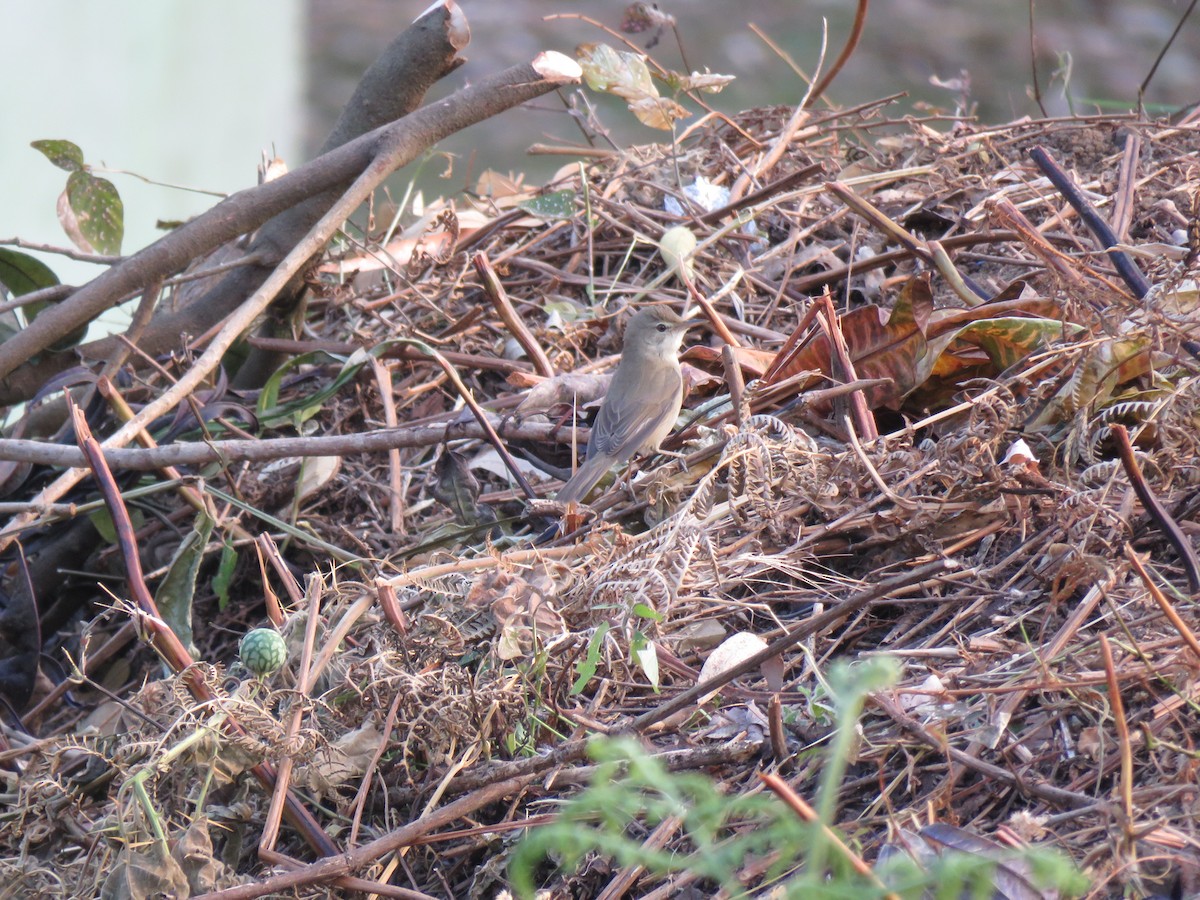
x,y
938,367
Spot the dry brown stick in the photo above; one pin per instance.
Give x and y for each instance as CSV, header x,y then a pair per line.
x,y
560,756
271,552
710,311
792,345
163,639
466,360
522,557
270,598
801,808
1122,725
366,886
499,297
283,772
779,748
742,752
842,367
1100,229
1189,636
245,450
1154,508
60,510
125,413
88,663
383,378
537,149
52,294
485,831
69,252
389,604
856,32
137,325
489,430
881,222
190,495
625,878
869,467
1015,220
736,385
331,867
1123,202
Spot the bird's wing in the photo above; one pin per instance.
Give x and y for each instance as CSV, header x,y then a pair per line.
x,y
633,412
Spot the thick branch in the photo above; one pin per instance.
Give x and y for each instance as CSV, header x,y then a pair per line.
x,y
188,454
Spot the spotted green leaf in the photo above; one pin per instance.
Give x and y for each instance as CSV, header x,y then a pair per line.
x,y
63,154
94,217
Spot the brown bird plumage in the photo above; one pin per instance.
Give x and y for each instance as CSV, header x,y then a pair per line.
x,y
643,400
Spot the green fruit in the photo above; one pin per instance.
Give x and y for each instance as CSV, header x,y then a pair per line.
x,y
263,651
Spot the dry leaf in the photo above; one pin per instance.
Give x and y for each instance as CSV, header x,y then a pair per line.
x,y
734,650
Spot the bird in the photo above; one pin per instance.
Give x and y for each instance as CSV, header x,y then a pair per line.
x,y
643,400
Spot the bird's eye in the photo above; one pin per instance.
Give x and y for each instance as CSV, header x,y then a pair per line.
x,y
662,327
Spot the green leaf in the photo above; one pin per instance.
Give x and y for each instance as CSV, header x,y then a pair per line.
x,y
99,212
563,309
103,523
627,76
646,656
587,666
616,71
223,580
22,274
554,205
641,610
178,589
63,154
272,412
1009,340
850,683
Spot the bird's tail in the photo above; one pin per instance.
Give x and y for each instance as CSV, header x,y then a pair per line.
x,y
585,478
